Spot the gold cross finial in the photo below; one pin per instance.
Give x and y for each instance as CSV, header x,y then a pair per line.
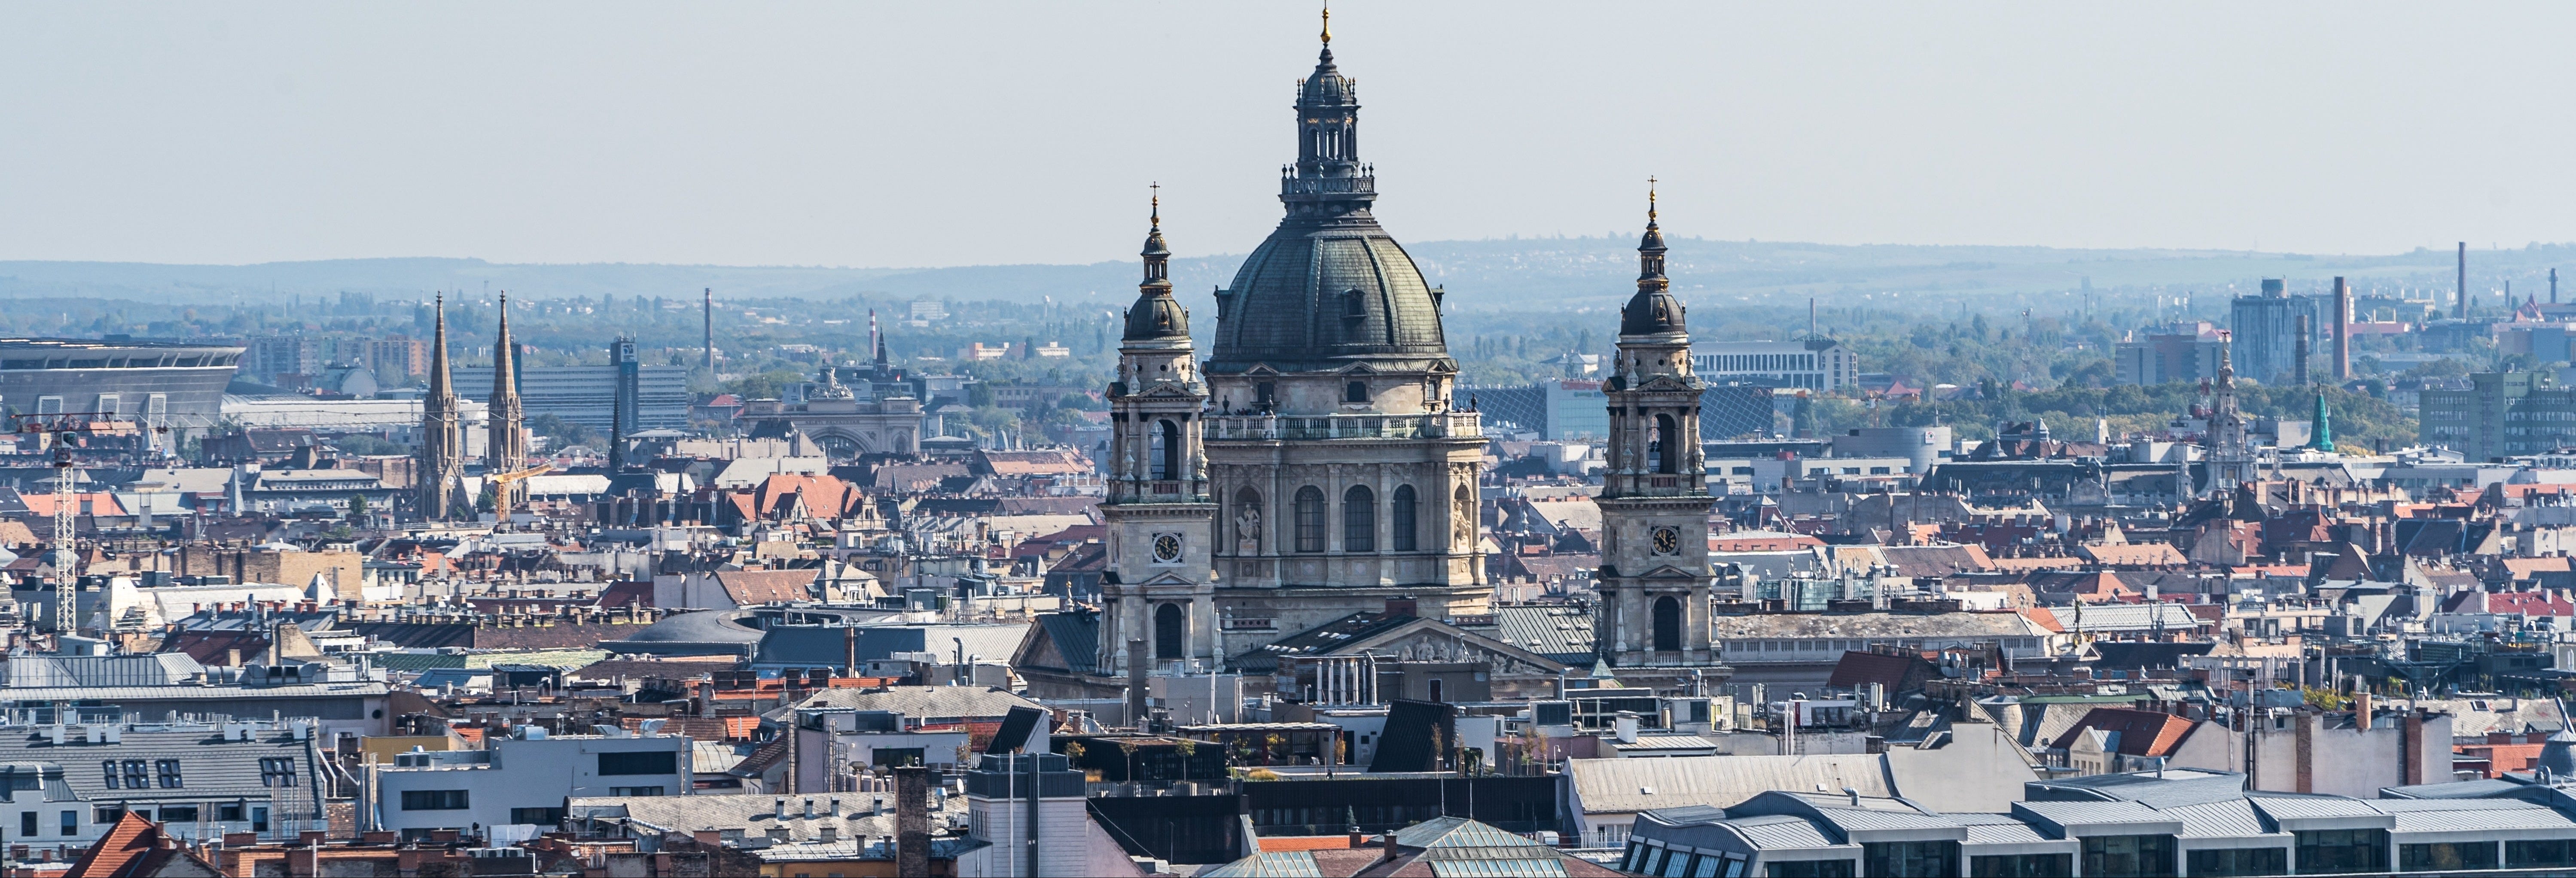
x,y
1328,24
1650,199
1158,204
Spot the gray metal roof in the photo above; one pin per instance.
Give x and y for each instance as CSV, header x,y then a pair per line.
x,y
1269,864
2234,818
1618,785
158,694
210,768
923,702
2076,816
1781,831
1562,633
2475,815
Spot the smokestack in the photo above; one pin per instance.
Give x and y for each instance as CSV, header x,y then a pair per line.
x,y
1136,683
2342,331
707,317
1811,317
912,821
2462,308
2299,352
2553,286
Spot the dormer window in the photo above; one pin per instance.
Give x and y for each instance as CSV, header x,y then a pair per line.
x,y
1356,391
1354,304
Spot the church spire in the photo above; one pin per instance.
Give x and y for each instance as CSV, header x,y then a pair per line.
x,y
442,459
505,444
1653,310
1156,315
505,359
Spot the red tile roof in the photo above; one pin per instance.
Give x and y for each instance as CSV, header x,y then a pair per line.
x,y
2142,732
752,587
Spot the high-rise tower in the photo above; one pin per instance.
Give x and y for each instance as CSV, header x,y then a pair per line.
x,y
1347,477
1161,523
1655,576
442,445
2229,452
506,449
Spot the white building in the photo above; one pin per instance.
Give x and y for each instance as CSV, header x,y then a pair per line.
x,y
1815,364
524,780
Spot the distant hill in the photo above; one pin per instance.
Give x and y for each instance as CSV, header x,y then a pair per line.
x,y
1507,274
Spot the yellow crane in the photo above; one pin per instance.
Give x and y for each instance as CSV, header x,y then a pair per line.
x,y
493,483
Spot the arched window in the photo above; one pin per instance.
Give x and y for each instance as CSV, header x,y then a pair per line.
x,y
1359,519
1401,520
1166,449
1668,624
1356,391
1667,448
1169,630
1247,522
1310,519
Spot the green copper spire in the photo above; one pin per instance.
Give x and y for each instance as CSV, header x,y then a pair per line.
x,y
2324,433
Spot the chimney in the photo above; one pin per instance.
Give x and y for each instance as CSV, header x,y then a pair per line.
x,y
912,820
778,809
1136,682
2299,353
2462,309
2361,711
1390,847
2343,328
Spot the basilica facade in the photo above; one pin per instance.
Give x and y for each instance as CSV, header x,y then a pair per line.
x,y
1317,472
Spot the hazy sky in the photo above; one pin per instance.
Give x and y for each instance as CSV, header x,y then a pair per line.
x,y
960,133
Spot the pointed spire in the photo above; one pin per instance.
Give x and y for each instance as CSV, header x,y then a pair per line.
x,y
505,357
440,385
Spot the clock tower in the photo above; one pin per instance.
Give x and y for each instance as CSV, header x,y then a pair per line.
x,y
1159,587
1654,578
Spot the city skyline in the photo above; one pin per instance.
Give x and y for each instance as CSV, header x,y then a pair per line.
x,y
803,136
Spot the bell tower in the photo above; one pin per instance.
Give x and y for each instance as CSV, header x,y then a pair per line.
x,y
1159,588
1654,578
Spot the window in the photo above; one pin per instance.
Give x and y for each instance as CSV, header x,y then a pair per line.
x,y
168,770
1636,860
2539,853
1811,869
434,800
1310,519
135,779
107,769
277,771
652,762
1355,391
1665,446
896,756
259,818
1401,519
635,791
1910,859
2449,856
1166,449
2331,851
2024,866
2129,856
71,821
1359,519
178,814
1169,629
1677,865
1668,629
1741,471
229,812
2239,861
26,824
538,816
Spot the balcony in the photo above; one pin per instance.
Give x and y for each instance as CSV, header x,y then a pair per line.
x,y
1328,185
1445,425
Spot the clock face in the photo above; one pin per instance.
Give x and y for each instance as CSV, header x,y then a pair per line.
x,y
1167,548
1668,541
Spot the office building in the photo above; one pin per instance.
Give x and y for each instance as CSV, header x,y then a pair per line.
x,y
1813,364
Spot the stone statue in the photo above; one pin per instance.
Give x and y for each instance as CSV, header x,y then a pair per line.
x,y
1247,531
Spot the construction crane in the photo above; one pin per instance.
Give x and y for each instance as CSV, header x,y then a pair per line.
x,y
496,487
62,429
